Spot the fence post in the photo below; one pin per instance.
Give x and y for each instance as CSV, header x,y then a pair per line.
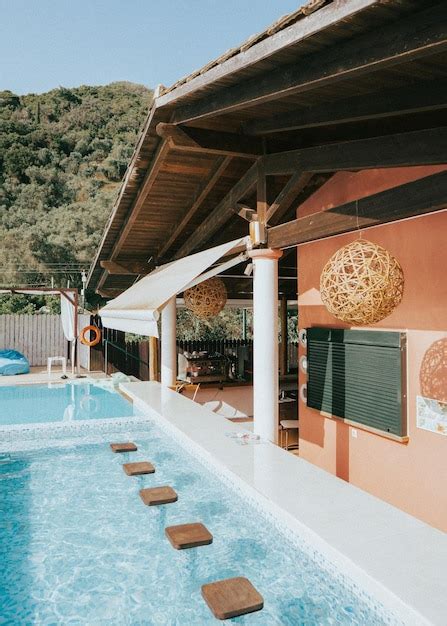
x,y
153,358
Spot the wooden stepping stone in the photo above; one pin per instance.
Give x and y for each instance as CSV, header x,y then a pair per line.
x,y
188,536
123,447
232,597
158,495
138,469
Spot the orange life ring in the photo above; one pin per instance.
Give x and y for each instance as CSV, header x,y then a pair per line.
x,y
96,338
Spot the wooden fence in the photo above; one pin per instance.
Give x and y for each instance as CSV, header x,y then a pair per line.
x,y
36,336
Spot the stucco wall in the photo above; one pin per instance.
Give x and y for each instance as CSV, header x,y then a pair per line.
x,y
411,476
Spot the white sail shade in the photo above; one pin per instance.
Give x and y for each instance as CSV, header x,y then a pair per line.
x,y
137,309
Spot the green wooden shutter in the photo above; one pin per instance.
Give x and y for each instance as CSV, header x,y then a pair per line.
x,y
358,375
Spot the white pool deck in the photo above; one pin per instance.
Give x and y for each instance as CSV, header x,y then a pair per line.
x,y
398,559
39,376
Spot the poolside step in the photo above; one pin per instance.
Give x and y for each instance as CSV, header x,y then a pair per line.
x,y
138,469
188,535
124,447
232,597
158,495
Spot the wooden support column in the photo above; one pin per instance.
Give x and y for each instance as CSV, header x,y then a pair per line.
x,y
284,335
153,358
261,193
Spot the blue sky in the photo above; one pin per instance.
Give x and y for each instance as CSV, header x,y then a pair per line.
x,y
47,43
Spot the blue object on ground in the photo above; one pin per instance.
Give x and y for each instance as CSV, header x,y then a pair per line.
x,y
12,363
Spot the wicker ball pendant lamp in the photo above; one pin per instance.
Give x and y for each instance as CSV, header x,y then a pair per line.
x,y
206,299
362,283
433,372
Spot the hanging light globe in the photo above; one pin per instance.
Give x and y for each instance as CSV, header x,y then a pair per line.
x,y
362,283
206,299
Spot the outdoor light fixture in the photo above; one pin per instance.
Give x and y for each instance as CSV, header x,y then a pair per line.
x,y
248,271
258,232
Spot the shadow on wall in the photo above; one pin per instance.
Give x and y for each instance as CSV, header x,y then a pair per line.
x,y
433,372
342,451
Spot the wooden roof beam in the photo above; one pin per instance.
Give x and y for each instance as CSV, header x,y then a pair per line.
x,y
422,147
287,195
149,180
126,268
206,187
425,195
221,213
109,293
202,140
412,37
425,96
146,186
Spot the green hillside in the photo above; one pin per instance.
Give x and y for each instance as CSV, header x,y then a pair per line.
x,y
62,156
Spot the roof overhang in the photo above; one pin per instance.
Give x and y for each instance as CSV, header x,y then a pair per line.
x,y
330,74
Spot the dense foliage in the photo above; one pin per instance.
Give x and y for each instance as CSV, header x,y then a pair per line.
x,y
62,156
227,324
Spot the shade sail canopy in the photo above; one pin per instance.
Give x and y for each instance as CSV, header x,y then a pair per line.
x,y
137,309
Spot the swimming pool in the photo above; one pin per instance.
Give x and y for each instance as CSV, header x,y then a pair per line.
x,y
34,404
78,546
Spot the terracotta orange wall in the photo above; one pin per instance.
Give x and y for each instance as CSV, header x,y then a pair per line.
x,y
410,476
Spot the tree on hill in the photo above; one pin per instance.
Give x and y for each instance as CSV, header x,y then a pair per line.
x,y
62,157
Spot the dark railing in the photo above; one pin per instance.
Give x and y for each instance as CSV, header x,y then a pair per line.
x,y
132,359
114,353
222,346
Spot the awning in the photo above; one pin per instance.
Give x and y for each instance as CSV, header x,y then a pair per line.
x,y
137,309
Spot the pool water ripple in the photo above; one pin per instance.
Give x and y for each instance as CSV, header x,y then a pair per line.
x,y
80,547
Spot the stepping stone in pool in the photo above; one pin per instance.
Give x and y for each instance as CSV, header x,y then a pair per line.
x,y
158,495
188,536
124,447
138,469
232,597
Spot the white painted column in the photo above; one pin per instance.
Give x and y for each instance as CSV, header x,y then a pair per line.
x,y
265,342
168,344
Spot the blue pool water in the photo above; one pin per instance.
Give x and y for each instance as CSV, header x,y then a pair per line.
x,y
77,545
32,404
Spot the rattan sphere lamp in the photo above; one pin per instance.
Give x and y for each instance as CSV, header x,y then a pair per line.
x,y
362,283
206,299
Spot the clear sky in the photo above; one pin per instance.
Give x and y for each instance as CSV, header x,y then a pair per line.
x,y
48,43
